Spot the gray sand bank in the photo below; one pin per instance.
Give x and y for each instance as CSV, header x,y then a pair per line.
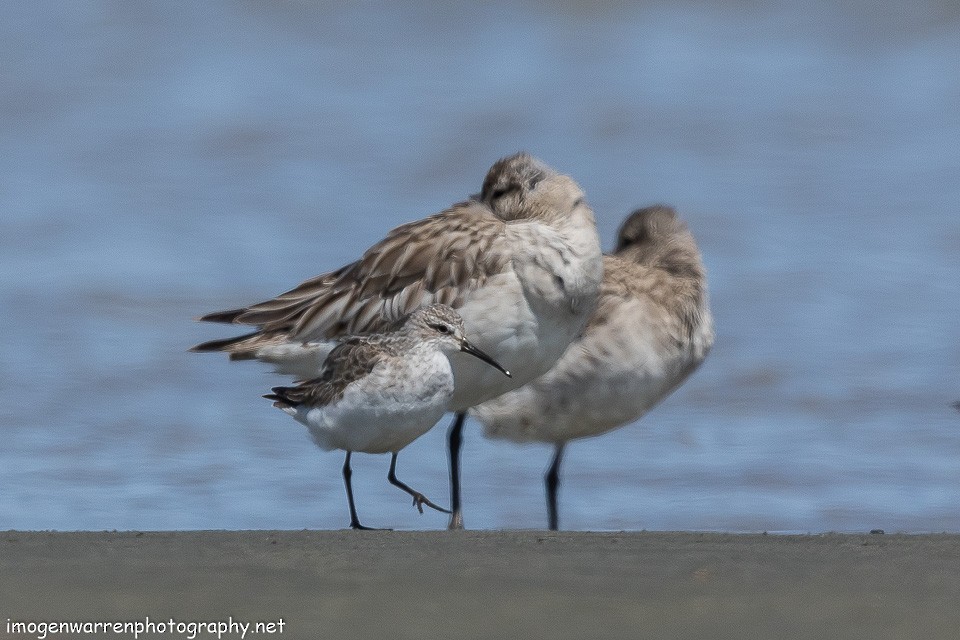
x,y
345,584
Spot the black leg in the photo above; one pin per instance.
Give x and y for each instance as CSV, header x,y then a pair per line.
x,y
347,473
418,498
553,484
455,441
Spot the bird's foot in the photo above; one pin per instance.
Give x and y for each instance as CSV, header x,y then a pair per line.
x,y
419,500
356,526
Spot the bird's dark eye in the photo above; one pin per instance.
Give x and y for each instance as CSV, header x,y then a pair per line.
x,y
502,191
442,328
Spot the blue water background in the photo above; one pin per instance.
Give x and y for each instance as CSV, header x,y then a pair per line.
x,y
161,160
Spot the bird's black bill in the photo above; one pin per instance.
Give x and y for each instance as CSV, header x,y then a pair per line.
x,y
466,347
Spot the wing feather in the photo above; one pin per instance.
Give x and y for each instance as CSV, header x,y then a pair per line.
x,y
436,259
349,361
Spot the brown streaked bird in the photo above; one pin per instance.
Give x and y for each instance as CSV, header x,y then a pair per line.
x,y
520,262
652,328
377,393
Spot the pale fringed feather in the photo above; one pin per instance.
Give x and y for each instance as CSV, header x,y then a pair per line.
x,y
349,361
438,259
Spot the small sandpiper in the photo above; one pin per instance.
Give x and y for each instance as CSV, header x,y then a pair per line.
x,y
520,262
378,393
651,329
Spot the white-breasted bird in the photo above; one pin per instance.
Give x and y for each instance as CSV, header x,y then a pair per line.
x,y
377,393
652,327
520,262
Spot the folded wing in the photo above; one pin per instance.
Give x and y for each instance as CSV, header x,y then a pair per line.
x,y
438,259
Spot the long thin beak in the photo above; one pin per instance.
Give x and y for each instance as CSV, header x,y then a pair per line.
x,y
466,347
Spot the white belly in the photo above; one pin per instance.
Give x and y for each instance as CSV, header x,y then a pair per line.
x,y
501,321
381,413
527,317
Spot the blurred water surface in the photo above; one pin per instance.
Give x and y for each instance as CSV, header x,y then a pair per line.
x,y
160,160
